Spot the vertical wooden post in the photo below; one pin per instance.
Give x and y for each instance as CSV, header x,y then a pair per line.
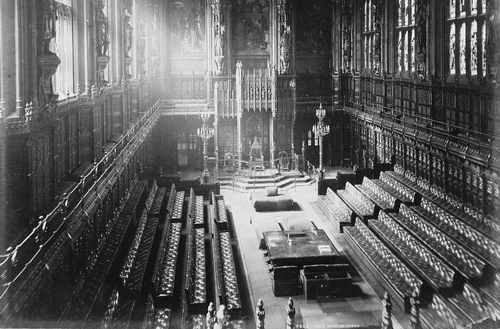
x,y
261,314
387,312
415,311
210,317
239,110
290,310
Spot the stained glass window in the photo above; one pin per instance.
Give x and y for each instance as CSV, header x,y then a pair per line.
x,y
467,53
406,35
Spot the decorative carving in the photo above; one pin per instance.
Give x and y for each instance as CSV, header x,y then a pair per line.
x,y
386,312
251,25
377,9
219,33
290,311
128,37
415,311
284,37
210,318
102,41
421,36
261,314
346,36
47,60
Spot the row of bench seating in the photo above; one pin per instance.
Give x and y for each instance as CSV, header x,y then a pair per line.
x,y
83,299
383,199
421,260
449,258
397,276
177,212
134,247
166,284
231,289
485,224
358,202
460,259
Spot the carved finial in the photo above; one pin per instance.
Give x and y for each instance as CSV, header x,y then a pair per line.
x,y
221,321
290,310
261,314
210,318
386,312
415,311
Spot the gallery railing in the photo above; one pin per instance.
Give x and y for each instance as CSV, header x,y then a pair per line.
x,y
16,261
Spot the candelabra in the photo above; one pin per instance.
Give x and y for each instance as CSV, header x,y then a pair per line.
x,y
321,129
205,133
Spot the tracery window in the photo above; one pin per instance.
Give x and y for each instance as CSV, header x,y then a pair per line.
x,y
369,33
405,31
63,45
467,35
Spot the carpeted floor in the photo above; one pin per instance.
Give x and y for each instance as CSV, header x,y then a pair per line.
x,y
361,311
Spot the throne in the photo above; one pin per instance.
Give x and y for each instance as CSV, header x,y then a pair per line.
x,y
256,161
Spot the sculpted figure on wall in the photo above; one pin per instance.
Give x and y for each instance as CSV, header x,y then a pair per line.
x,y
47,60
284,37
219,35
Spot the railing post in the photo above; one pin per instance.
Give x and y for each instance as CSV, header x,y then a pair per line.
x,y
290,310
210,318
261,314
387,312
415,311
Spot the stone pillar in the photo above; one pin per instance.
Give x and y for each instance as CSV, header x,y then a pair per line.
x,y
261,314
386,312
290,310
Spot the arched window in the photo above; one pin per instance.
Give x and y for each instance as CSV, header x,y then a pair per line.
x,y
467,24
63,45
405,31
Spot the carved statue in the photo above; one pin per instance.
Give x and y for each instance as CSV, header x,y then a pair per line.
x,y
102,32
261,314
346,43
421,36
219,35
284,28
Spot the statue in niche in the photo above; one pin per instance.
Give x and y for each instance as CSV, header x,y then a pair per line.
x,y
102,34
196,30
421,17
346,45
219,48
284,63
